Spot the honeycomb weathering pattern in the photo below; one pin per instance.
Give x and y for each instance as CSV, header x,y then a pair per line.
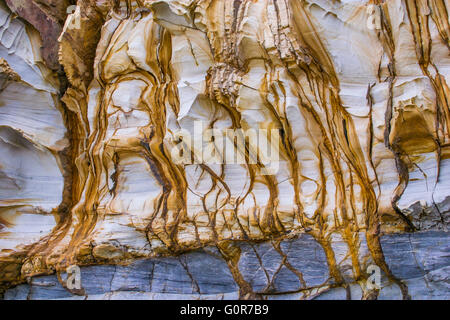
x,y
358,91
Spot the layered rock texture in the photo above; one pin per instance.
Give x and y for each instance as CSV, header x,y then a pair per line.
x,y
100,99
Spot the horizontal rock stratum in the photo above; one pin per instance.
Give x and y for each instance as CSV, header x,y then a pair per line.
x,y
225,149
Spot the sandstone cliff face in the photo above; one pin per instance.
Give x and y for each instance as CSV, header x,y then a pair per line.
x,y
102,163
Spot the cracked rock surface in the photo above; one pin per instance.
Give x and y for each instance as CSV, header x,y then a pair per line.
x,y
103,164
420,259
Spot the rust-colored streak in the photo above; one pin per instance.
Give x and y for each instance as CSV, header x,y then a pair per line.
x,y
125,95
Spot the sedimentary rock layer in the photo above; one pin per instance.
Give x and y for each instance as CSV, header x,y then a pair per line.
x,y
115,151
420,259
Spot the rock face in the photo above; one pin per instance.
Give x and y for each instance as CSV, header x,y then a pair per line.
x,y
420,259
225,149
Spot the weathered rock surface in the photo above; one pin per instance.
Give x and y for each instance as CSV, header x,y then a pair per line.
x,y
103,164
420,259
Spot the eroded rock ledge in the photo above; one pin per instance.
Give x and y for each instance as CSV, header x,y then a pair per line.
x,y
420,259
92,106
